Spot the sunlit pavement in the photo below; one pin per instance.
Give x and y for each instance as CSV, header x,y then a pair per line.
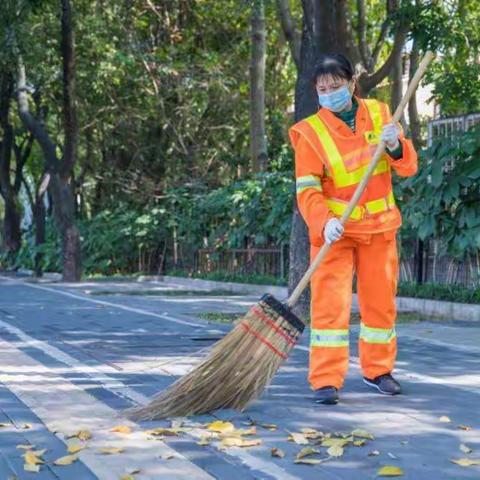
x,y
74,356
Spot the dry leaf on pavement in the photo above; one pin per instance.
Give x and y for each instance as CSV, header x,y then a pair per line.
x,y
309,461
268,426
335,442
298,438
465,449
25,447
240,442
75,448
166,432
81,435
276,452
466,462
31,458
305,452
122,429
221,427
66,460
362,434
335,451
390,471
28,467
111,450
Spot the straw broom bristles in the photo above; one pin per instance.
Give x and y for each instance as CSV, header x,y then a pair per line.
x,y
237,369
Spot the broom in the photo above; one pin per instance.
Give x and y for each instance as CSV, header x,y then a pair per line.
x,y
244,362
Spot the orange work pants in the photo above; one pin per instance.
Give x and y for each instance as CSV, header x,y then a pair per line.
x,y
374,259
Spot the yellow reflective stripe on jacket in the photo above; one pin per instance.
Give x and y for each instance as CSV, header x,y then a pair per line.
x,y
341,177
329,338
377,335
338,207
375,112
383,204
380,205
308,181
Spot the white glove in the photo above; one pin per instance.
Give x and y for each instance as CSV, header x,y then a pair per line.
x,y
390,135
333,230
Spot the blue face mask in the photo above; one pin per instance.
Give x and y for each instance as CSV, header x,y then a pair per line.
x,y
337,100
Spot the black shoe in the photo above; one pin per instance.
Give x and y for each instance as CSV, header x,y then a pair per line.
x,y
326,395
385,384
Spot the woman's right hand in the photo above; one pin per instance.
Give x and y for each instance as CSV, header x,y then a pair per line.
x,y
333,230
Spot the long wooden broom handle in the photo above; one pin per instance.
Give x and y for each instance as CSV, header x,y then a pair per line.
x,y
363,183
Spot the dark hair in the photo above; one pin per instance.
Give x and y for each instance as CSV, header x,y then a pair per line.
x,y
334,64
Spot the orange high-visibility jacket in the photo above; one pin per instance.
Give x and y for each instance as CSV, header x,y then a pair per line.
x,y
330,161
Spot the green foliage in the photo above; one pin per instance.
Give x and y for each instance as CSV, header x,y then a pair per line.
x,y
451,30
442,200
222,276
435,291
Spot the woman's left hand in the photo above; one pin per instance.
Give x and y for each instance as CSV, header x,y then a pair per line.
x,y
390,135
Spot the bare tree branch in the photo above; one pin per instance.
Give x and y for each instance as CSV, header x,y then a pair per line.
x,y
292,34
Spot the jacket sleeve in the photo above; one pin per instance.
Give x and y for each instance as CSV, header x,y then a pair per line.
x,y
310,199
407,165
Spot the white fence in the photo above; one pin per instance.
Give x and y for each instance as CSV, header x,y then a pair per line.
x,y
446,127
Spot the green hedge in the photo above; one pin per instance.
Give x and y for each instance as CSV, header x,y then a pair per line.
x,y
450,293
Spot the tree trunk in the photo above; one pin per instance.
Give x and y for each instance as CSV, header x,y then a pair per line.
x,y
292,35
39,222
61,172
70,233
11,221
258,139
318,36
397,86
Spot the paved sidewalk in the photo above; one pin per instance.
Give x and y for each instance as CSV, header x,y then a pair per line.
x,y
74,356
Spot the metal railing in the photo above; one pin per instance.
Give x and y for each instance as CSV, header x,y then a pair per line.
x,y
446,127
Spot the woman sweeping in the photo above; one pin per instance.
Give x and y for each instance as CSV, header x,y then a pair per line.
x,y
332,151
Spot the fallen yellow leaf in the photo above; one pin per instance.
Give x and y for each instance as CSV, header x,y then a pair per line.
x,y
25,447
335,442
268,426
75,448
221,427
362,434
390,471
127,477
166,432
335,451
81,435
304,452
298,438
466,462
309,461
444,419
111,450
31,468
31,458
66,460
359,443
39,453
122,429
311,433
240,442
465,449
276,452
204,441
